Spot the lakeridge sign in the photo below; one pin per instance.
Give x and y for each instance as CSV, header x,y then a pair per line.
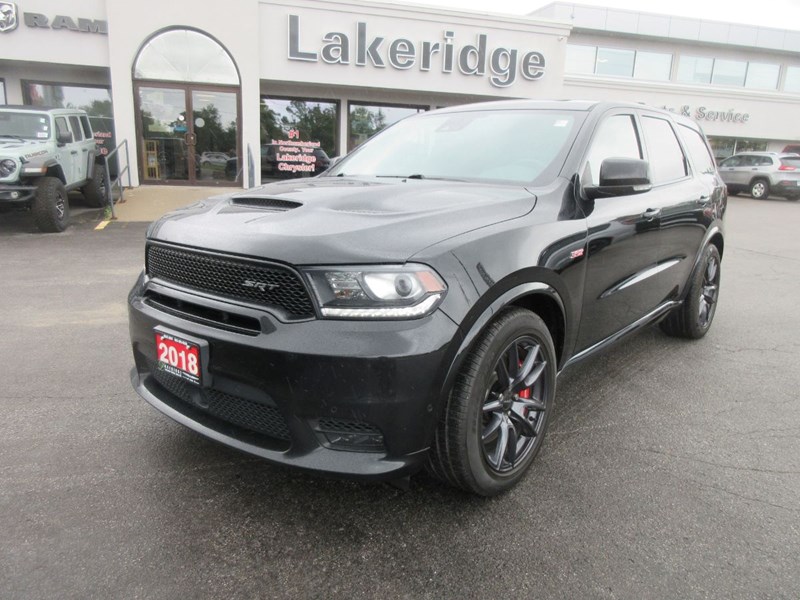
x,y
362,49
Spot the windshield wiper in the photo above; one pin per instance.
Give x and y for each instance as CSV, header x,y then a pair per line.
x,y
9,135
414,176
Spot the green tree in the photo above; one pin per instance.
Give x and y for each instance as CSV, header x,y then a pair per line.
x,y
314,123
364,123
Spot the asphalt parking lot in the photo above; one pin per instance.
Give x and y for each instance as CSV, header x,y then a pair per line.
x,y
671,469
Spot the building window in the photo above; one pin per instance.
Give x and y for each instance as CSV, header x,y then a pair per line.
x,y
581,59
3,92
792,83
723,147
694,69
298,136
617,63
761,76
654,66
365,120
185,55
729,72
95,100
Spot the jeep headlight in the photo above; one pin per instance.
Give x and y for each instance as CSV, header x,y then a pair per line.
x,y
7,167
377,292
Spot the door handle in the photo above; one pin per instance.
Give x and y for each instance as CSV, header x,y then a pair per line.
x,y
74,152
651,213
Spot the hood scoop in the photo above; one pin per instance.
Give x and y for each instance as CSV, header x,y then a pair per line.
x,y
267,204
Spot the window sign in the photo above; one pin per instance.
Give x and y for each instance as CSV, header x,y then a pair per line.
x,y
298,137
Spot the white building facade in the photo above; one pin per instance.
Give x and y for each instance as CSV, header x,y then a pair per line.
x,y
258,90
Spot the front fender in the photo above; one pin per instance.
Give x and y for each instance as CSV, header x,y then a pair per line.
x,y
482,314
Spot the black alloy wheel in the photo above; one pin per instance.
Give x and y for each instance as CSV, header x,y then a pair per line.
x,y
495,419
513,408
707,302
694,317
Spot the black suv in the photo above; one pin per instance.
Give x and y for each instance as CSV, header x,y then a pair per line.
x,y
414,305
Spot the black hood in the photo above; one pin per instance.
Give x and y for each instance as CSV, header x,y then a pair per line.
x,y
331,220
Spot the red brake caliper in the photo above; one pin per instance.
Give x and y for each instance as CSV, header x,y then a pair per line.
x,y
526,393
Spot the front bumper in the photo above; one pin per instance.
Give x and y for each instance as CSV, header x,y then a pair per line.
x,y
348,398
15,195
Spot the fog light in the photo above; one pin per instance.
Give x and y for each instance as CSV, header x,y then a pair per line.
x,y
14,195
355,436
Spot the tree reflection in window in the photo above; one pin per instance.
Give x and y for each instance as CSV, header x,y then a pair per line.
x,y
309,129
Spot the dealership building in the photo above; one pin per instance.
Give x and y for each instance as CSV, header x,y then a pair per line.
x,y
251,90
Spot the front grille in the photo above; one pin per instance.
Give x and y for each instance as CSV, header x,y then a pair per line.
x,y
342,426
240,279
241,412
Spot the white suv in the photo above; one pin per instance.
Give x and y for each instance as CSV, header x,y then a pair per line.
x,y
44,154
762,173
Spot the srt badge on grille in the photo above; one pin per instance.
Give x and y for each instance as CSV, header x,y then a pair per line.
x,y
260,285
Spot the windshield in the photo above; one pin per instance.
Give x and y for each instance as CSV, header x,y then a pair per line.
x,y
515,146
31,126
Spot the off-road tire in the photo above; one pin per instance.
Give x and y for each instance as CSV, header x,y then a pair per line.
x,y
457,453
94,192
687,320
51,206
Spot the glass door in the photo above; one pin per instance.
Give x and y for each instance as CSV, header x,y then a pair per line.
x,y
188,134
164,134
215,127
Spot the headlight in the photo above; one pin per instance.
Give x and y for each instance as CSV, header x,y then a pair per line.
x,y
377,292
7,167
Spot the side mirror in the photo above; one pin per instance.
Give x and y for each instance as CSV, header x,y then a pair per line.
x,y
621,177
64,138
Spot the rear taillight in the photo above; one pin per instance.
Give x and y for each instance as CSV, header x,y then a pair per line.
x,y
786,168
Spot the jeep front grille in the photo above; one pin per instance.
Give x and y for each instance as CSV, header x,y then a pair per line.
x,y
251,281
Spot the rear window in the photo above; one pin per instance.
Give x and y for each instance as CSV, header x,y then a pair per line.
x,y
791,162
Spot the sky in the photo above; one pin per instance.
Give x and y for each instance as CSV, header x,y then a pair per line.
x,y
784,14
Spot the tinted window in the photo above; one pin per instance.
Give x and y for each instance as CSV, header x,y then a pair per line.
x,y
701,157
763,161
729,72
667,162
615,138
77,133
733,161
693,69
748,161
61,126
87,130
652,65
614,62
762,76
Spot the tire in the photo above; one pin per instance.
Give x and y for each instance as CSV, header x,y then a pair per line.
x,y
51,206
759,189
693,318
95,191
480,405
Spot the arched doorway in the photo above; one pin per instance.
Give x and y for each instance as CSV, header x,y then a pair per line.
x,y
188,107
